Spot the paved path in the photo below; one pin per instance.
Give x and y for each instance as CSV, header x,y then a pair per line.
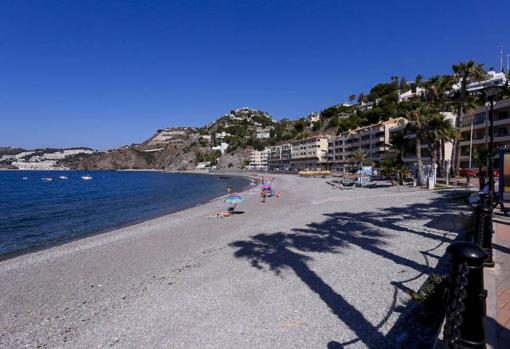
x,y
499,279
316,268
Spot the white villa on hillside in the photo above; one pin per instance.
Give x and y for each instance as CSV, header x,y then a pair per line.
x,y
263,133
222,147
410,94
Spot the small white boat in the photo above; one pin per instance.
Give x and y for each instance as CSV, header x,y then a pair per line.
x,y
47,179
24,178
63,177
86,178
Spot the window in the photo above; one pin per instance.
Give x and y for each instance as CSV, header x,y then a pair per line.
x,y
479,118
503,115
503,131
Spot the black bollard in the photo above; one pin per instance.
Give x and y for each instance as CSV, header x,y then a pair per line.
x,y
465,312
477,224
485,237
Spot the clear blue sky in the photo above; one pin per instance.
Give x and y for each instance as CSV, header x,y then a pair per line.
x,y
108,73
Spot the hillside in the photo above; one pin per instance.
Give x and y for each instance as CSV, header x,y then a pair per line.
x,y
224,143
228,141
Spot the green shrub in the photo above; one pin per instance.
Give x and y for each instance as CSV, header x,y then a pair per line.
x,y
432,294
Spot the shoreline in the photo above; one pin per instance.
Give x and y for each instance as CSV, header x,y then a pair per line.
x,y
49,245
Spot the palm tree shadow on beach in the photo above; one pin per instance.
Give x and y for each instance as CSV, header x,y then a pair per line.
x,y
367,230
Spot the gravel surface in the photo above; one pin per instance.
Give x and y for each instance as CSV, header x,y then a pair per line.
x,y
315,268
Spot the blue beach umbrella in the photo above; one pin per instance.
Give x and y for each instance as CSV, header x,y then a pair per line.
x,y
234,200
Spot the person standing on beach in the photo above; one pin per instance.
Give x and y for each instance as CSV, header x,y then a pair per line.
x,y
230,192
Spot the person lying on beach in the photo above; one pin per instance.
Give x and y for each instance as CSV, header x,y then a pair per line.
x,y
222,214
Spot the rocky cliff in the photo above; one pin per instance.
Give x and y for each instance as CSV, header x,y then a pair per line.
x,y
118,159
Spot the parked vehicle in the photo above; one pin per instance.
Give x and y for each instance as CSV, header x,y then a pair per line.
x,y
473,172
468,172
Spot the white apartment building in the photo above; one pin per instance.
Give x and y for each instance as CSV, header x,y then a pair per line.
x,y
279,157
372,139
493,79
474,134
258,159
39,165
61,154
309,153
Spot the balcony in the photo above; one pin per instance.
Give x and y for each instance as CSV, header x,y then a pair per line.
x,y
482,125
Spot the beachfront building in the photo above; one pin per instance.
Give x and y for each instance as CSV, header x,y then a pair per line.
x,y
258,159
372,139
279,157
474,135
409,157
310,153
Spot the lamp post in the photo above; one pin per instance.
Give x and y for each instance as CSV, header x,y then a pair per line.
x,y
486,242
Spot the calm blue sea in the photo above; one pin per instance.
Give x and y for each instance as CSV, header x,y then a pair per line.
x,y
36,214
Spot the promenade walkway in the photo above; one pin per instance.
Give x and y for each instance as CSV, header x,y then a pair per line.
x,y
498,287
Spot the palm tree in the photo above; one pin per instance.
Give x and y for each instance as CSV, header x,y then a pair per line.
x,y
439,130
418,82
399,145
352,98
358,157
436,91
463,74
394,81
362,98
403,85
417,112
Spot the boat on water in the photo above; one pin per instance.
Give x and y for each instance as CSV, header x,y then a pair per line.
x,y
63,177
86,178
47,179
24,178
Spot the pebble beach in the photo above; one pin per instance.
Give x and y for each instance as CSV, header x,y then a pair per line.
x,y
315,268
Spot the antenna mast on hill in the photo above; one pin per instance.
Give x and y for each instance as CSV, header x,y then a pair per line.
x,y
501,58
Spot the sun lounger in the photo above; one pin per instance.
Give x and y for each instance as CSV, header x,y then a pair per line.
x,y
335,185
